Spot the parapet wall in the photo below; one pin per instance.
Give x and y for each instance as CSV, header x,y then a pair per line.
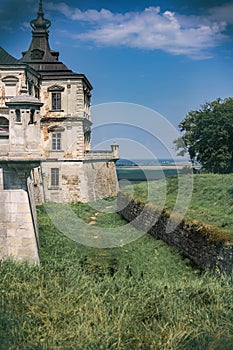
x,y
101,179
83,181
193,240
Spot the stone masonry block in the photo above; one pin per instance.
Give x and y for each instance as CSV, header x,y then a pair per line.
x,y
5,196
18,196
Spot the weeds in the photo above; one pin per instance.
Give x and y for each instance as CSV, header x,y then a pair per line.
x,y
143,295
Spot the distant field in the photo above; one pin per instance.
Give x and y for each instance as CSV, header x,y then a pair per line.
x,y
212,198
147,173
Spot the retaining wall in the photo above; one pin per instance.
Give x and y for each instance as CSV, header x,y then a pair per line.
x,y
207,249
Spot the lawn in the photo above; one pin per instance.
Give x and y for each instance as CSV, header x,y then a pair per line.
x,y
142,295
211,203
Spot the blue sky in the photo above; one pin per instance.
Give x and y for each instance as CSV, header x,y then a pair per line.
x,y
170,56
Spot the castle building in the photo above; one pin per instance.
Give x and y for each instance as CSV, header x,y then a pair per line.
x,y
70,171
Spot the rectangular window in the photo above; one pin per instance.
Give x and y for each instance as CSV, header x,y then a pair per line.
x,y
56,101
54,177
56,141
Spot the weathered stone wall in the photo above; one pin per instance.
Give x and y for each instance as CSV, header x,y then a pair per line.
x,y
72,139
12,79
80,181
4,147
101,179
10,83
191,239
36,186
18,235
72,186
72,98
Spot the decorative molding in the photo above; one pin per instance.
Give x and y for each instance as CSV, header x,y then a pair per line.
x,y
56,88
56,128
10,79
37,54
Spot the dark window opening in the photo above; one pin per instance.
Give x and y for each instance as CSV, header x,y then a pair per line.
x,y
30,88
54,177
37,54
32,114
4,128
56,141
56,101
37,92
18,116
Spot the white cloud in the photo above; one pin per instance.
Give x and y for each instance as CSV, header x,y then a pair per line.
x,y
151,29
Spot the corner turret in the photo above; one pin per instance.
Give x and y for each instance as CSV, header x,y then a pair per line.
x,y
24,127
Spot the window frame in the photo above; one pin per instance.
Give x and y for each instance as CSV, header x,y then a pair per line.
x,y
55,177
56,101
56,97
56,141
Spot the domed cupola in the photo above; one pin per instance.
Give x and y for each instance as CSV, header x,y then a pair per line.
x,y
40,23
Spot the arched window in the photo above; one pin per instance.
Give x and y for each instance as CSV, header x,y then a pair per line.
x,y
4,128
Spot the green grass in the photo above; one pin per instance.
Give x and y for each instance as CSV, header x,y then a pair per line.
x,y
139,296
212,198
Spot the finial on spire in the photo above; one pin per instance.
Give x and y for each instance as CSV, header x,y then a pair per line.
x,y
40,23
40,7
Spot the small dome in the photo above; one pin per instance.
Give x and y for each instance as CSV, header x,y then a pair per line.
x,y
40,23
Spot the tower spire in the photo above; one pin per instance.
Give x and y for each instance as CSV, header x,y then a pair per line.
x,y
40,23
40,11
39,55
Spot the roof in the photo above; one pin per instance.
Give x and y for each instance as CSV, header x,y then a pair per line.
x,y
6,58
41,58
39,55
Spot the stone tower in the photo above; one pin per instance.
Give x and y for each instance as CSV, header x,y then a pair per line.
x,y
70,170
18,220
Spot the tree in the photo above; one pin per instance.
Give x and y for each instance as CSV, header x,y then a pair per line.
x,y
208,136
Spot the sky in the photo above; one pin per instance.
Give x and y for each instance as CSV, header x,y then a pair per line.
x,y
169,56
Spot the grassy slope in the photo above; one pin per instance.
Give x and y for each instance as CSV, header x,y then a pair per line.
x,y
212,198
140,296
